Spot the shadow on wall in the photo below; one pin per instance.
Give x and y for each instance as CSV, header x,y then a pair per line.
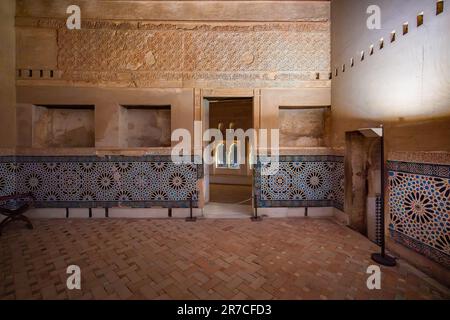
x,y
404,135
404,83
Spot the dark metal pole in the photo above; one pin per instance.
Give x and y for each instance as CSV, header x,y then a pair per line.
x,y
382,258
383,189
256,218
191,218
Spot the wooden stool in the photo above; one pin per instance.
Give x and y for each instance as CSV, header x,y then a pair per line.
x,y
15,212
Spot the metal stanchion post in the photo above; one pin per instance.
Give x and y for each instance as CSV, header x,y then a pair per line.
x,y
190,218
256,218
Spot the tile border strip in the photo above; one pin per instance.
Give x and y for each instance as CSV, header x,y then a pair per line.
x,y
425,169
421,248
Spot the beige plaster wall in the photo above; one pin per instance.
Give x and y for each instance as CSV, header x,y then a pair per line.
x,y
7,74
303,127
39,49
182,10
406,85
58,127
111,123
312,98
148,127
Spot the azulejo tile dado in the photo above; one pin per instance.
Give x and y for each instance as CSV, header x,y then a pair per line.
x,y
8,177
419,201
91,181
422,248
301,181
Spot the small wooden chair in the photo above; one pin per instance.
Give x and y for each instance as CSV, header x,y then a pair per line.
x,y
14,207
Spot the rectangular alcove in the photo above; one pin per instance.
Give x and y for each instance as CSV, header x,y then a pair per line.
x,y
303,126
63,126
145,126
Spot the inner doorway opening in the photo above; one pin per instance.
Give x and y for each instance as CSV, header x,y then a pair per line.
x,y
228,187
363,184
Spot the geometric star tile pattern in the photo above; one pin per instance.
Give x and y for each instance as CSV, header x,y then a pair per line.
x,y
95,181
419,204
301,181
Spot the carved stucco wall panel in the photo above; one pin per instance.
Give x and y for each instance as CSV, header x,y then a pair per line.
x,y
144,54
118,50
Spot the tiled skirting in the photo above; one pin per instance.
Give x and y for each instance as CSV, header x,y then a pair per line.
x,y
8,175
301,181
91,181
419,202
148,181
421,247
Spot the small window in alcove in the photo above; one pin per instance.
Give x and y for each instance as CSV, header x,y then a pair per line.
x,y
371,49
405,28
393,35
226,159
420,19
352,62
146,126
233,162
221,156
362,55
317,76
439,7
343,68
381,43
336,72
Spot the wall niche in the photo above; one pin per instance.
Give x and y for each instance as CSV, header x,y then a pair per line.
x,y
63,126
144,126
303,126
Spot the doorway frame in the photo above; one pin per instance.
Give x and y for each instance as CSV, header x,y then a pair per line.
x,y
363,183
201,97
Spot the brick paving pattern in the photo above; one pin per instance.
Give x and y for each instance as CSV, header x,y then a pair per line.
x,y
209,259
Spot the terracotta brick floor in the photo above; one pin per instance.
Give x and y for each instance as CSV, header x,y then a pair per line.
x,y
209,259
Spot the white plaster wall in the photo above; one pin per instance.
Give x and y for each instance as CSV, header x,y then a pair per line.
x,y
406,85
